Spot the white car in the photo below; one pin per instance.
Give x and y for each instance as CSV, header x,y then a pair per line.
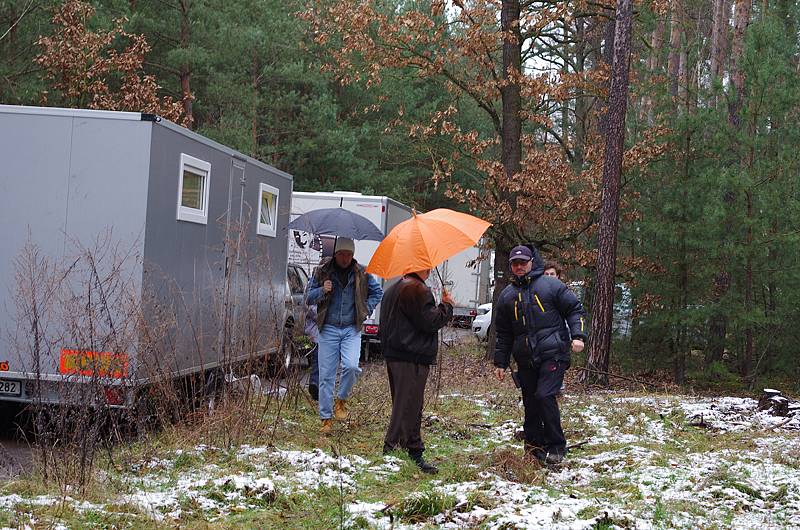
x,y
482,322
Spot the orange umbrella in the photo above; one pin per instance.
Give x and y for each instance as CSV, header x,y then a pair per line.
x,y
425,241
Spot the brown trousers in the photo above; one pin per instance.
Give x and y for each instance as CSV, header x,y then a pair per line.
x,y
407,384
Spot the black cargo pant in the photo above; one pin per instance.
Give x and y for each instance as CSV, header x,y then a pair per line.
x,y
407,384
540,383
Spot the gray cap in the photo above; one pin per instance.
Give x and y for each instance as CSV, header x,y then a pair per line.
x,y
344,243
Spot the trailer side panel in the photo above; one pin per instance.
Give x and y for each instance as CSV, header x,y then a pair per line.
x,y
72,183
214,276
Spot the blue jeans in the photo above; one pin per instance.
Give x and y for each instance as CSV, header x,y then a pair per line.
x,y
337,345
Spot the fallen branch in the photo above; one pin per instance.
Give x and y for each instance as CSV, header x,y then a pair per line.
x,y
781,424
387,507
617,376
700,423
578,445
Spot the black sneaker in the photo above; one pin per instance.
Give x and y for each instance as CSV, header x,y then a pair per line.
x,y
427,467
553,459
424,466
535,451
314,391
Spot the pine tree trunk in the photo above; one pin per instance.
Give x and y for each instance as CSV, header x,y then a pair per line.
x,y
607,57
740,22
510,91
511,134
653,64
656,43
719,37
603,299
683,78
501,272
718,325
749,298
185,70
673,59
679,355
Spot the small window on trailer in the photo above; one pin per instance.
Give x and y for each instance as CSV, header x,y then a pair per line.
x,y
267,210
194,183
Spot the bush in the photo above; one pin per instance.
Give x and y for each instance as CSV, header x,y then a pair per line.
x,y
717,376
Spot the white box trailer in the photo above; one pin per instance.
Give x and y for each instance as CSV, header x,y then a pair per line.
x,y
466,277
192,221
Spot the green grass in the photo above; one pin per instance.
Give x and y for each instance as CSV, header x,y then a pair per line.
x,y
419,506
8,519
456,432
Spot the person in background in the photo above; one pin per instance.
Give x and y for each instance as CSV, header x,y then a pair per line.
x,y
312,332
553,269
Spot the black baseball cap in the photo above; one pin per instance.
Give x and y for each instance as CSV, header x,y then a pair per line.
x,y
520,252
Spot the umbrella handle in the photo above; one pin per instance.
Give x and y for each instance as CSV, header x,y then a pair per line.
x,y
441,280
439,274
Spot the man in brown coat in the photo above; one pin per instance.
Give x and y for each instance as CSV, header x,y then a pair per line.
x,y
410,322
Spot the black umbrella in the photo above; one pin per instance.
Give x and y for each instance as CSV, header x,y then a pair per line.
x,y
337,222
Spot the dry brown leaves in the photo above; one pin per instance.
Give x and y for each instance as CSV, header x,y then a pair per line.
x,y
87,70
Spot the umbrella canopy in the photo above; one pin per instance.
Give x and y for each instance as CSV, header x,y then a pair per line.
x,y
337,222
425,241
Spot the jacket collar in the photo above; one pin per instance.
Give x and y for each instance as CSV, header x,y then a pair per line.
x,y
328,263
413,275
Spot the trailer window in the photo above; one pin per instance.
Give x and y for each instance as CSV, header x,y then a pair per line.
x,y
194,182
267,210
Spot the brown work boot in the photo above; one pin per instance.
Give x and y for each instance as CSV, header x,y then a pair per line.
x,y
340,409
327,426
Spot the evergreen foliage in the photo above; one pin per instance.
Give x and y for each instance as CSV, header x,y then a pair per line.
x,y
721,201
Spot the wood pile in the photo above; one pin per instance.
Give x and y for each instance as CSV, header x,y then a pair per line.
x,y
777,404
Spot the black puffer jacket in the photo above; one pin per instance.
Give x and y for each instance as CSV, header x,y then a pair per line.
x,y
410,321
530,319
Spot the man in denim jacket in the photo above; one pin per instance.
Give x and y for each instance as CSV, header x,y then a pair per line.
x,y
345,295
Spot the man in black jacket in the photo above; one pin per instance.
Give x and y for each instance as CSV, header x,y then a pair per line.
x,y
410,322
531,319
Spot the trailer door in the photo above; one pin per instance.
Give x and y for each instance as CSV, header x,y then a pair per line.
x,y
234,239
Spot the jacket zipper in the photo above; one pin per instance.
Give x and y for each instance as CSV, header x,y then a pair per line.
x,y
538,302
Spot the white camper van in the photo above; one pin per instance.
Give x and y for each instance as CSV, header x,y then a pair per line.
x,y
467,278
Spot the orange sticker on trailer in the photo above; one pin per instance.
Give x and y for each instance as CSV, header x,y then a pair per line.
x,y
90,363
4,366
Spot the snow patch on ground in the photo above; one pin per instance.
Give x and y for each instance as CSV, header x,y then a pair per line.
x,y
278,472
733,414
644,466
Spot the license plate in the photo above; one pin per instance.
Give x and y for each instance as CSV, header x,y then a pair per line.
x,y
10,388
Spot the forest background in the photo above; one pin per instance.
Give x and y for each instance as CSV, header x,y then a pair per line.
x,y
505,109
